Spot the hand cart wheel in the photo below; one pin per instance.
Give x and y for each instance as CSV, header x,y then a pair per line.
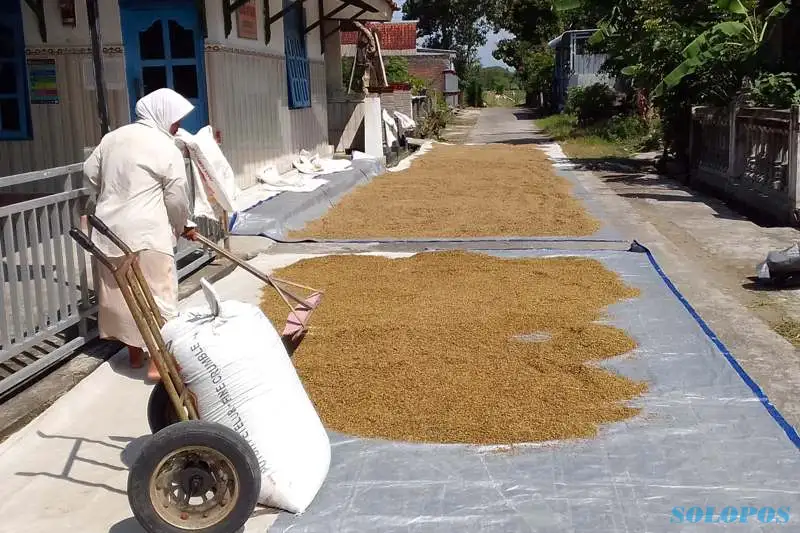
x,y
194,476
160,409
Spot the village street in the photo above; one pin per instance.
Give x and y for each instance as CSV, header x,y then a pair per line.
x,y
706,436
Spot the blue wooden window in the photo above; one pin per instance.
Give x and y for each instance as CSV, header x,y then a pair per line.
x,y
14,104
297,70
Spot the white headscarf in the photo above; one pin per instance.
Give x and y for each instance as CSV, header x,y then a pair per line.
x,y
162,108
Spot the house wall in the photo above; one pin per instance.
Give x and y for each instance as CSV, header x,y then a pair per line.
x,y
248,96
397,101
573,69
247,93
430,67
60,131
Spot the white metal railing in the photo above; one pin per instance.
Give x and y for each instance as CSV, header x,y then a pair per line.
x,y
46,296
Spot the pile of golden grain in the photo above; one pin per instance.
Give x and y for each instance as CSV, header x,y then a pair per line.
x,y
461,191
426,348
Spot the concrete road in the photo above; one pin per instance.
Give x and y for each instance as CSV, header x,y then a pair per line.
x,y
708,250
67,470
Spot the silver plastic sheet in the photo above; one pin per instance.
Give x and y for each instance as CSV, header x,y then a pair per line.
x,y
704,441
291,210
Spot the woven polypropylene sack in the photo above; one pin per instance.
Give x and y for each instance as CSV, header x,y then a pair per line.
x,y
215,170
233,360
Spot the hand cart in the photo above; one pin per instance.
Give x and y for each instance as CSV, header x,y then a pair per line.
x,y
192,475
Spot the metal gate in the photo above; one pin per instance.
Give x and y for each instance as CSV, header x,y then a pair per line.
x,y
48,297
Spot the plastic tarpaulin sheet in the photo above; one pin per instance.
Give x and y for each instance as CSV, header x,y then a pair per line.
x,y
705,440
291,210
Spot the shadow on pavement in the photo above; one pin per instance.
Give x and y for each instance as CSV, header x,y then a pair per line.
x,y
789,284
523,142
129,525
129,448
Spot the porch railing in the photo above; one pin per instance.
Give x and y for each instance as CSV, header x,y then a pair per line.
x,y
46,299
749,155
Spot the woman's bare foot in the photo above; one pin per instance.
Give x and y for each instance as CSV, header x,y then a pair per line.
x,y
136,356
152,371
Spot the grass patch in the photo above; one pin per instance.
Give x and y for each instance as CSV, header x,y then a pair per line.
x,y
427,348
619,136
790,330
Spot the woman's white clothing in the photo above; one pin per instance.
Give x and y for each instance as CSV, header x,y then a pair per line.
x,y
139,176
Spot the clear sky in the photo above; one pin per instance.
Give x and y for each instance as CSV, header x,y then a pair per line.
x,y
485,53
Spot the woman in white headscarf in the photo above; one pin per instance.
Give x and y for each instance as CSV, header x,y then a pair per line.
x,y
140,181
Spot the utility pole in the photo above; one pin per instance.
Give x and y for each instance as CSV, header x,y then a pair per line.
x,y
97,57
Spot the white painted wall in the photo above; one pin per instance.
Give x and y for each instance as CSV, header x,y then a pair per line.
x,y
216,29
248,94
60,35
61,131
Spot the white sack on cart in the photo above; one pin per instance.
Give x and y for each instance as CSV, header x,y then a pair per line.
x,y
213,168
235,363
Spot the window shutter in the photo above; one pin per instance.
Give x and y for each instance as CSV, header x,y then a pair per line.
x,y
297,67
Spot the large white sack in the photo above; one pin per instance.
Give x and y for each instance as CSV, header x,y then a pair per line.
x,y
235,363
213,167
201,207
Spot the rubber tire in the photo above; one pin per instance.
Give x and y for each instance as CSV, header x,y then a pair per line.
x,y
160,411
194,433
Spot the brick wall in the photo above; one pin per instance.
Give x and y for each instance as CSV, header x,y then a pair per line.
x,y
430,67
397,101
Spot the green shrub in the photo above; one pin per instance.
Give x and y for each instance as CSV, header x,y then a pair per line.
x,y
591,104
621,128
475,94
775,90
437,119
397,69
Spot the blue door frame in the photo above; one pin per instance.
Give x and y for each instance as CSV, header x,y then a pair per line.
x,y
164,48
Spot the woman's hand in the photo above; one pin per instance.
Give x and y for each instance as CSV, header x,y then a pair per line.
x,y
190,234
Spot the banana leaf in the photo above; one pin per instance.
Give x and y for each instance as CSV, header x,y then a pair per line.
x,y
732,6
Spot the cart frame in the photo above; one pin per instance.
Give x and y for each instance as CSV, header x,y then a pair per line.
x,y
145,312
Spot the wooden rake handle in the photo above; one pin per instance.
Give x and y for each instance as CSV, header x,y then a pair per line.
x,y
266,278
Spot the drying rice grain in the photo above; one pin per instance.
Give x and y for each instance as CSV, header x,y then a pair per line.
x,y
461,191
424,348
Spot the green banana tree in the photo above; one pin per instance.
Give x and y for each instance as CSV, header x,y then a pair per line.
x,y
744,38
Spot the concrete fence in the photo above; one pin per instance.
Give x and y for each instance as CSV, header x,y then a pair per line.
x,y
750,156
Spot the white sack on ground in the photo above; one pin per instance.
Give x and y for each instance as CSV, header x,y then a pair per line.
x,y
314,165
237,366
406,122
212,167
294,181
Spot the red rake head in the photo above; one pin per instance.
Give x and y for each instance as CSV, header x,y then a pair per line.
x,y
297,323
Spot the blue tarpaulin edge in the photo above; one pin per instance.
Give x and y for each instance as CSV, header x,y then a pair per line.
x,y
773,411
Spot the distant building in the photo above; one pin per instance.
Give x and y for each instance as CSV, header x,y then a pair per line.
x,y
429,64
575,66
